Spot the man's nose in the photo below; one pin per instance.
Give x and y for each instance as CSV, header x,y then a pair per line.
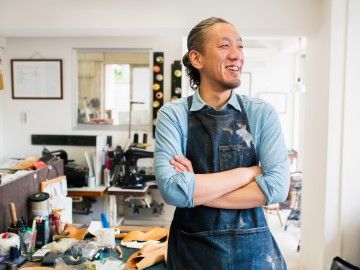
x,y
235,53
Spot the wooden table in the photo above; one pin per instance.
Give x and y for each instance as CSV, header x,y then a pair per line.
x,y
87,191
132,192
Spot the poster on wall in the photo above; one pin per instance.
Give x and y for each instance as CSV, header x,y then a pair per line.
x,y
36,78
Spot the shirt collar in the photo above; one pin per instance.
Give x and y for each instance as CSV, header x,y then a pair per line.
x,y
198,103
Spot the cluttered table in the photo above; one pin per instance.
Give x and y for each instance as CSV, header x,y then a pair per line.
x,y
126,255
149,256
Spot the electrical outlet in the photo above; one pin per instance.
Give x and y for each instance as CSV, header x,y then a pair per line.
x,y
23,117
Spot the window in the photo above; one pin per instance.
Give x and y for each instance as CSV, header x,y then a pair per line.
x,y
112,87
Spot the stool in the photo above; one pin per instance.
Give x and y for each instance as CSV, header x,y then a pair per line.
x,y
273,208
295,214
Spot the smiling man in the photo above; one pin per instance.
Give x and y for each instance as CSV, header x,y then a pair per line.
x,y
218,158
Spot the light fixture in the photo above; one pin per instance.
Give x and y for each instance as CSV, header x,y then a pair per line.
x,y
298,87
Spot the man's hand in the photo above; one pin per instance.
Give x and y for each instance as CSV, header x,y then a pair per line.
x,y
181,164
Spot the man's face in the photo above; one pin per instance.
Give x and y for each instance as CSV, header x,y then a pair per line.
x,y
222,58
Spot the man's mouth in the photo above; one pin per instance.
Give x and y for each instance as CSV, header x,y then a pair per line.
x,y
233,68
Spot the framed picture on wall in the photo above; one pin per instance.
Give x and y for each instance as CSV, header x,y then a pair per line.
x,y
36,78
277,99
245,86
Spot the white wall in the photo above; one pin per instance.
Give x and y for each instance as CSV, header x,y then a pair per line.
x,y
315,143
330,210
2,46
120,18
350,186
55,116
151,18
272,71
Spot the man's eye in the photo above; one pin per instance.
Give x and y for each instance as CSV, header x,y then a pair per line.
x,y
224,45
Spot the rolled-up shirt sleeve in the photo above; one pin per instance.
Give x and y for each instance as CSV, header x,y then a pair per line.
x,y
273,156
176,188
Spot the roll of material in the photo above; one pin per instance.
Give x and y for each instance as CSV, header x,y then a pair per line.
x,y
40,204
8,240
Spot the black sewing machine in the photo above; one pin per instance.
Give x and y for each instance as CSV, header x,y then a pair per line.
x,y
126,173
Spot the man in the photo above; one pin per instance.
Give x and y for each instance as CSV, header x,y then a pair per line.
x,y
208,150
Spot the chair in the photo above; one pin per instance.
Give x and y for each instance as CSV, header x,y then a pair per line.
x,y
271,208
340,264
295,205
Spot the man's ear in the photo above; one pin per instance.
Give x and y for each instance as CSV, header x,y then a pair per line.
x,y
195,59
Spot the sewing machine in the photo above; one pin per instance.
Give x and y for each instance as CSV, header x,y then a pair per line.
x,y
126,173
135,186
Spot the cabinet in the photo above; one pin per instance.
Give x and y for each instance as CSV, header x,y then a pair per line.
x,y
19,190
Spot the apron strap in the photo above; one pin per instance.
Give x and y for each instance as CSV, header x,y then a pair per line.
x,y
189,101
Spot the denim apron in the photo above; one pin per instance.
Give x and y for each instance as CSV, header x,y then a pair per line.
x,y
211,238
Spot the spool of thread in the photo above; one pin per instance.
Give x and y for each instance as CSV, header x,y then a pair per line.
x,y
156,103
40,204
177,90
177,73
159,77
145,138
159,59
159,95
8,240
136,138
156,69
156,86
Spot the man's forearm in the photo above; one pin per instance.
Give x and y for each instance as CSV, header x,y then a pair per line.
x,y
209,187
248,196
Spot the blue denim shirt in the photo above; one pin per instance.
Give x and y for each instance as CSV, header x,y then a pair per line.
x,y
171,138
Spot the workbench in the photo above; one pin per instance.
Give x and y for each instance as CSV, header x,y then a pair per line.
x,y
126,251
18,191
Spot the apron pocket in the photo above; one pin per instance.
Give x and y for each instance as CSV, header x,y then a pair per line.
x,y
203,250
250,249
255,251
230,156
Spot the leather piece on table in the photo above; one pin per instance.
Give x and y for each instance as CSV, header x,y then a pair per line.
x,y
120,235
25,164
157,233
123,230
147,256
71,231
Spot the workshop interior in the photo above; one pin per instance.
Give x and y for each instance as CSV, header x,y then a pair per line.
x,y
81,86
